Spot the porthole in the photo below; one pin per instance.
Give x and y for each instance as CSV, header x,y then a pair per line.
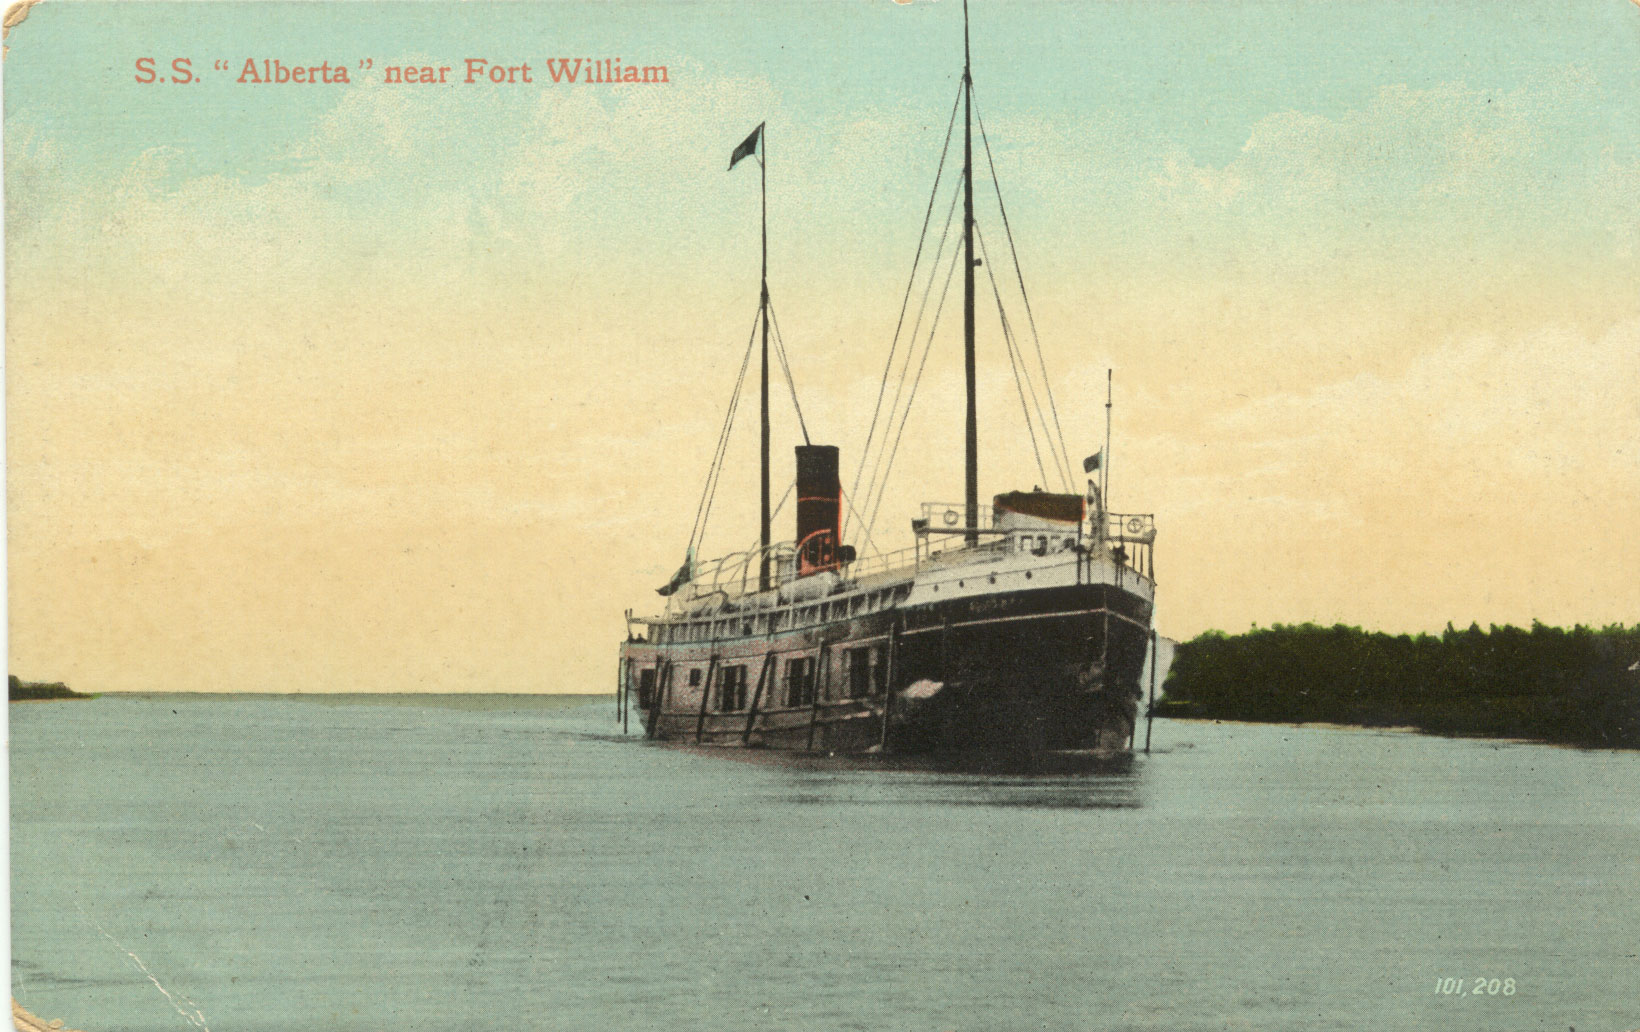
x,y
1027,574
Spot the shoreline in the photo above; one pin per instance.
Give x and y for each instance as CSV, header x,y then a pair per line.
x,y
1399,729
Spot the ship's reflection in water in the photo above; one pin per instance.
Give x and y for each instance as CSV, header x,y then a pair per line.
x,y
1102,783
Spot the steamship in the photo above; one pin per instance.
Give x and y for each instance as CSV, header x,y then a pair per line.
x,y
1018,628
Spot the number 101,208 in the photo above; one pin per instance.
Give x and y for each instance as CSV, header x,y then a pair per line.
x,y
1478,987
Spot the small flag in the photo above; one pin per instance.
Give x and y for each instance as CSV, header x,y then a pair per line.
x,y
684,575
1091,463
747,147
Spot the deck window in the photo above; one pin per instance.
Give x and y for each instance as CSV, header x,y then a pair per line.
x,y
694,677
866,671
859,672
731,689
800,681
646,688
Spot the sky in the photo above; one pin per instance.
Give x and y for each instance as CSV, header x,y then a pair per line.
x,y
377,387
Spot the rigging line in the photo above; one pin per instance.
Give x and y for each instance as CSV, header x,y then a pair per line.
x,y
780,349
873,484
857,515
715,471
782,503
916,328
1022,370
906,415
1019,381
715,474
1013,363
911,281
757,544
1016,361
928,347
1019,273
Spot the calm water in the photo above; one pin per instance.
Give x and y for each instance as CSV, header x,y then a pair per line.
x,y
280,863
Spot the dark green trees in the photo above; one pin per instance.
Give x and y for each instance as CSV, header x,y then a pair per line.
x,y
1548,683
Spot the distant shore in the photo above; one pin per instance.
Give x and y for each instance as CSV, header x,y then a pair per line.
x,y
1576,687
42,691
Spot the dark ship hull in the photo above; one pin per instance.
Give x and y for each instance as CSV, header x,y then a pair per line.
x,y
1015,673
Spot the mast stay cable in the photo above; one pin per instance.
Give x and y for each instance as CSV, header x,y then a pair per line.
x,y
785,364
879,475
714,473
1022,376
906,414
911,282
1020,275
775,512
867,535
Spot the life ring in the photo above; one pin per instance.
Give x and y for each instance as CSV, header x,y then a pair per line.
x,y
1135,525
950,517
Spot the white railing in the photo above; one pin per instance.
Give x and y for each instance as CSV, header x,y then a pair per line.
x,y
951,515
1129,538
1136,527
737,574
883,562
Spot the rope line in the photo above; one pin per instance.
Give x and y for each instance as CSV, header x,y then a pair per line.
x,y
757,543
879,474
850,503
1020,275
785,363
906,415
1013,364
1022,376
714,473
911,282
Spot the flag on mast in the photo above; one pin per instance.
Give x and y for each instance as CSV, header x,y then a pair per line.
x,y
747,146
1092,462
685,574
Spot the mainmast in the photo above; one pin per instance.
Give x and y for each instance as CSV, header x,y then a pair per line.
x,y
971,488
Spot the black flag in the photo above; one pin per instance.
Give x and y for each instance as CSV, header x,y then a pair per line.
x,y
747,146
685,574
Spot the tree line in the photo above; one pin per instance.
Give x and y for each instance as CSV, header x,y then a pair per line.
x,y
1578,686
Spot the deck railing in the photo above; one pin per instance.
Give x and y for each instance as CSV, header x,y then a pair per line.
x,y
951,516
882,563
1129,538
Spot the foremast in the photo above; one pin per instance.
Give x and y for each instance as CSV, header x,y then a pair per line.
x,y
763,313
